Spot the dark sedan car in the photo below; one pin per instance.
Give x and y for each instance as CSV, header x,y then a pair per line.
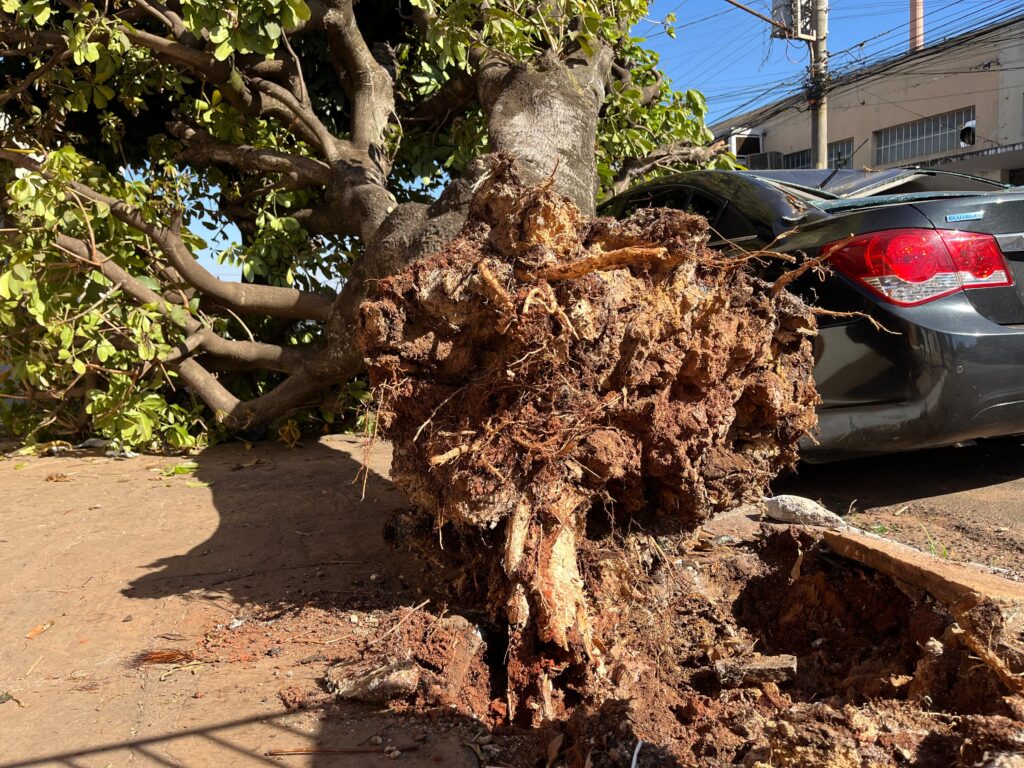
x,y
935,258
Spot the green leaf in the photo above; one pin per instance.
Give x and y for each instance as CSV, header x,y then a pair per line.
x,y
105,69
101,95
104,350
300,9
185,468
223,51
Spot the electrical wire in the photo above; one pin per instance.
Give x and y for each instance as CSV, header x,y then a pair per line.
x,y
1004,18
951,26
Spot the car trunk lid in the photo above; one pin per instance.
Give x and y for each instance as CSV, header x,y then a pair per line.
x,y
1000,215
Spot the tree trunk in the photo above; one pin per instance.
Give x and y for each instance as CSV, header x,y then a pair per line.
x,y
544,114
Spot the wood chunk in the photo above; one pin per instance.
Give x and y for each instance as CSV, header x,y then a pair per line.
x,y
988,607
945,580
380,685
733,673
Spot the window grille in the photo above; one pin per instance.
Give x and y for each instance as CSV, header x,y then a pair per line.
x,y
840,153
837,150
921,138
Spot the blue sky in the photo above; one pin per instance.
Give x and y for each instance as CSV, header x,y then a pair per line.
x,y
730,56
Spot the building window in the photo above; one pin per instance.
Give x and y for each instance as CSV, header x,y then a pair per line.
x,y
927,136
801,159
840,153
837,151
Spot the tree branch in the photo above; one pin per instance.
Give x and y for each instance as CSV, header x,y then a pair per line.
x,y
286,303
202,149
169,18
253,354
266,98
302,362
234,413
452,99
664,157
368,84
650,92
280,103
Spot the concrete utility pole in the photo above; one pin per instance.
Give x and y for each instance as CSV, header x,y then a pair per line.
x,y
817,88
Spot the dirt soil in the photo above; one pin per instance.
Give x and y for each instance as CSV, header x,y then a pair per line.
x,y
252,575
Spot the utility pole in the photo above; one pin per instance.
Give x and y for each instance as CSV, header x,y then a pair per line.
x,y
817,86
806,20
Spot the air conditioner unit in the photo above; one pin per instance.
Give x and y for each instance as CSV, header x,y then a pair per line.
x,y
746,142
765,161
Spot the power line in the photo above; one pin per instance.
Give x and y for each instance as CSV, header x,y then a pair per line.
x,y
952,27
884,67
930,19
860,78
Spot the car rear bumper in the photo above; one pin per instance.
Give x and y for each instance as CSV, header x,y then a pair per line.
x,y
951,376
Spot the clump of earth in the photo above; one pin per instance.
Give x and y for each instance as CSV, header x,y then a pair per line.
x,y
553,385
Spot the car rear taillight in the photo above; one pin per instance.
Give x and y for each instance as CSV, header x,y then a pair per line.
x,y
912,266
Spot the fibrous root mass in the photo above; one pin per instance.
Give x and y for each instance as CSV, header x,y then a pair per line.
x,y
552,382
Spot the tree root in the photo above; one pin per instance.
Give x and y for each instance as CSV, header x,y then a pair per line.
x,y
638,379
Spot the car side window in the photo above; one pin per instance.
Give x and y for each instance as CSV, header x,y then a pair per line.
x,y
704,204
727,223
733,225
673,197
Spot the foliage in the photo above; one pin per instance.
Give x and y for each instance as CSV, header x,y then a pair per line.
x,y
59,317
88,94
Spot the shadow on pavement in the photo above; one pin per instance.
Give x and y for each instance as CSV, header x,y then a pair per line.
x,y
294,527
903,477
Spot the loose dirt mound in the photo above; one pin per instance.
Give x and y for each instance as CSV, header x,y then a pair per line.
x,y
548,380
873,672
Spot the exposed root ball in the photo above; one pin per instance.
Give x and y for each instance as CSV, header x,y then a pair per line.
x,y
548,375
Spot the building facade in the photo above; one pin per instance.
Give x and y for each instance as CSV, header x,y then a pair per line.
x,y
956,105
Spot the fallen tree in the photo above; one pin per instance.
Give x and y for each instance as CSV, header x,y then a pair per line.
x,y
320,133
547,375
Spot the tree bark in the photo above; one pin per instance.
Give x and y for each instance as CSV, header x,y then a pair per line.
x,y
544,114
